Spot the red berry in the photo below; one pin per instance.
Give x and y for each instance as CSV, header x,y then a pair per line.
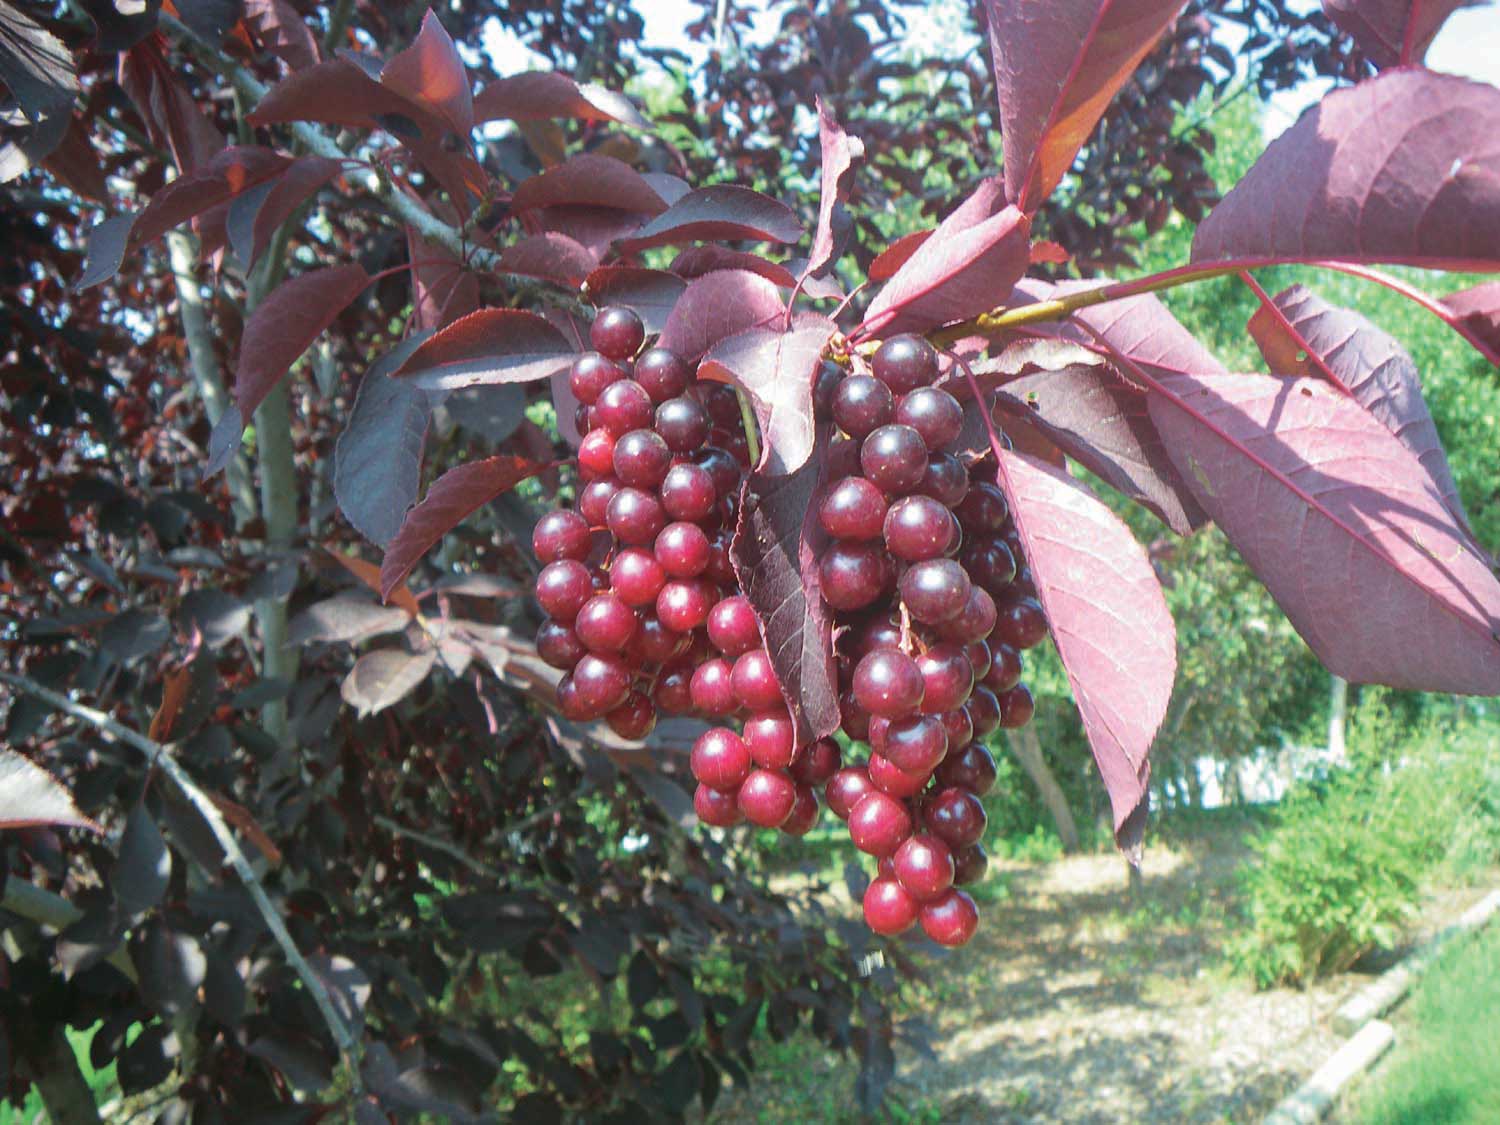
x,y
980,658
561,535
816,762
950,920
601,682
905,363
853,575
933,413
596,454
683,550
934,591
888,682
924,866
722,810
687,492
767,797
674,689
889,907
634,719
984,711
634,517
1005,668
862,404
617,332
562,587
889,778
732,626
558,645
772,738
664,374
605,623
847,788
956,817
975,621
918,528
946,480
958,726
713,688
970,865
983,510
590,374
683,603
755,682
1021,623
878,824
720,759
894,457
804,814
654,643
683,424
593,500
853,509
641,458
947,678
1016,707
970,767
624,406
915,744
636,576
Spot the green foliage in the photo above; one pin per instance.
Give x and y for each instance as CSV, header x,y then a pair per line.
x,y
1446,1068
1341,869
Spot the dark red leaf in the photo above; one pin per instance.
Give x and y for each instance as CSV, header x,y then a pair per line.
x,y
345,620
281,328
719,305
1477,308
31,797
282,32
840,151
699,260
544,95
777,370
552,257
254,215
431,73
651,293
1057,66
1314,338
486,347
453,497
443,288
35,67
722,212
1101,421
775,553
894,256
593,181
968,266
143,865
377,463
1402,168
1342,524
1394,31
1108,619
172,116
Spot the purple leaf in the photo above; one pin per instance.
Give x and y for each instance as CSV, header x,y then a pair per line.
x,y
840,151
1393,32
651,293
1312,337
775,554
254,215
1094,416
345,620
31,797
699,260
1477,309
720,211
143,866
1342,524
716,306
486,347
283,32
777,370
1057,65
593,181
968,266
1402,168
453,497
385,677
431,73
544,96
1109,621
377,464
281,328
443,288
551,256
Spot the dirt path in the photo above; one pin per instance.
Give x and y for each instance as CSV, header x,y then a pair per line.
x,y
1073,1006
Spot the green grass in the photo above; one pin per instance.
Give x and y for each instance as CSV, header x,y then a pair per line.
x,y
102,1082
1445,1067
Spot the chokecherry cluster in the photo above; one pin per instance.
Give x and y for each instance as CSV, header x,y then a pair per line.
x,y
923,571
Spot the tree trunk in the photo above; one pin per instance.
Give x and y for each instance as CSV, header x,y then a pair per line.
x,y
60,1083
1338,713
1027,748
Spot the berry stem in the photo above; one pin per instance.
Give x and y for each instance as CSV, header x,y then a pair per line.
x,y
747,416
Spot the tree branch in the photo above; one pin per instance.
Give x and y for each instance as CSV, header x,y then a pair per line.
x,y
161,756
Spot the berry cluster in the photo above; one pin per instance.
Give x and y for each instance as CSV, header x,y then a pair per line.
x,y
923,572
635,573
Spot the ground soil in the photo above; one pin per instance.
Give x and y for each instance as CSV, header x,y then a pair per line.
x,y
1076,1004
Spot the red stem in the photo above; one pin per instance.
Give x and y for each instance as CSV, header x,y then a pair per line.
x,y
1301,341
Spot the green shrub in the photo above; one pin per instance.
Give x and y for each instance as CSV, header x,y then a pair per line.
x,y
1340,870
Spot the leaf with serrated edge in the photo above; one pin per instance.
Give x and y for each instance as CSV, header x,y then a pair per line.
x,y
453,497
1057,66
31,797
380,679
719,211
545,96
1108,619
775,553
486,347
1378,372
719,305
1403,168
839,151
1343,526
1387,30
777,370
